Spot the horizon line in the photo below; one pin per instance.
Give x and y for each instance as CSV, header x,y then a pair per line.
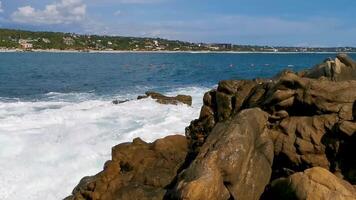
x,y
126,36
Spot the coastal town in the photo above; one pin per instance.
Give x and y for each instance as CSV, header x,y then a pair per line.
x,y
18,40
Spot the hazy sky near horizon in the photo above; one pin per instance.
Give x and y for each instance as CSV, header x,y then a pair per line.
x,y
274,22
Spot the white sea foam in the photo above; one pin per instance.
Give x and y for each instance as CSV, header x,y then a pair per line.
x,y
47,146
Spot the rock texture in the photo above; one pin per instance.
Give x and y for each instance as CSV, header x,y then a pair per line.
x,y
237,157
311,121
312,184
290,137
137,171
185,99
340,69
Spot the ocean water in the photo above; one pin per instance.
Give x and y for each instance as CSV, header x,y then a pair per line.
x,y
57,122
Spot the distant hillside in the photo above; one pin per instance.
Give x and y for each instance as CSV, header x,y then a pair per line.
x,y
19,39
64,41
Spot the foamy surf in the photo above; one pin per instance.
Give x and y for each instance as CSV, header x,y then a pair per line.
x,y
49,145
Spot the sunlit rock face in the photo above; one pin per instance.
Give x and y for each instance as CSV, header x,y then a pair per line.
x,y
254,139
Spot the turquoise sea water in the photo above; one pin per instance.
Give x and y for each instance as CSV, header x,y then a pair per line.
x,y
57,122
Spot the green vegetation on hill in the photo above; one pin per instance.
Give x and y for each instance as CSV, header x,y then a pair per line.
x,y
70,41
18,39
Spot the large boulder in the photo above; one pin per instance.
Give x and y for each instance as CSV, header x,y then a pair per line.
x,y
219,105
312,184
137,171
234,163
160,98
317,126
311,122
339,69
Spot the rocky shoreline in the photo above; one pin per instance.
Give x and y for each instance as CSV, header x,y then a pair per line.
x,y
290,137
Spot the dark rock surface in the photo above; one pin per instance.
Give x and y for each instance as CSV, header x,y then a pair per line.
x,y
282,138
185,99
115,102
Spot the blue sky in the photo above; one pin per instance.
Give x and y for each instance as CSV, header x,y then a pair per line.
x,y
262,22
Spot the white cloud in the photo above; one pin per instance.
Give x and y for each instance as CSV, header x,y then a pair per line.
x,y
62,12
1,9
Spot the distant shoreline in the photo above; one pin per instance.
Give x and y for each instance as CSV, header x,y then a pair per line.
x,y
192,52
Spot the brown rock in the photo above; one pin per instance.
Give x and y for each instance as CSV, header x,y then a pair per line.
x,y
235,161
340,69
299,145
312,184
138,170
224,106
185,99
295,121
209,99
347,127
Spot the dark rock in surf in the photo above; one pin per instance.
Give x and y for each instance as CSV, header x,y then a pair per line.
x,y
185,99
116,102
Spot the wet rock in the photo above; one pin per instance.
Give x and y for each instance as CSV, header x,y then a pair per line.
x,y
116,102
234,163
312,184
138,170
185,99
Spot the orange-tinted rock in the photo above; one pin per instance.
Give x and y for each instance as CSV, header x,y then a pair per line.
x,y
138,170
312,184
247,132
234,163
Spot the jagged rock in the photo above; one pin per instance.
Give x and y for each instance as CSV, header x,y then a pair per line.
x,y
185,99
347,127
304,96
299,143
312,184
247,133
234,163
218,106
138,170
340,69
311,121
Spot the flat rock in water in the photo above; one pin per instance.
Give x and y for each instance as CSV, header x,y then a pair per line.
x,y
185,99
